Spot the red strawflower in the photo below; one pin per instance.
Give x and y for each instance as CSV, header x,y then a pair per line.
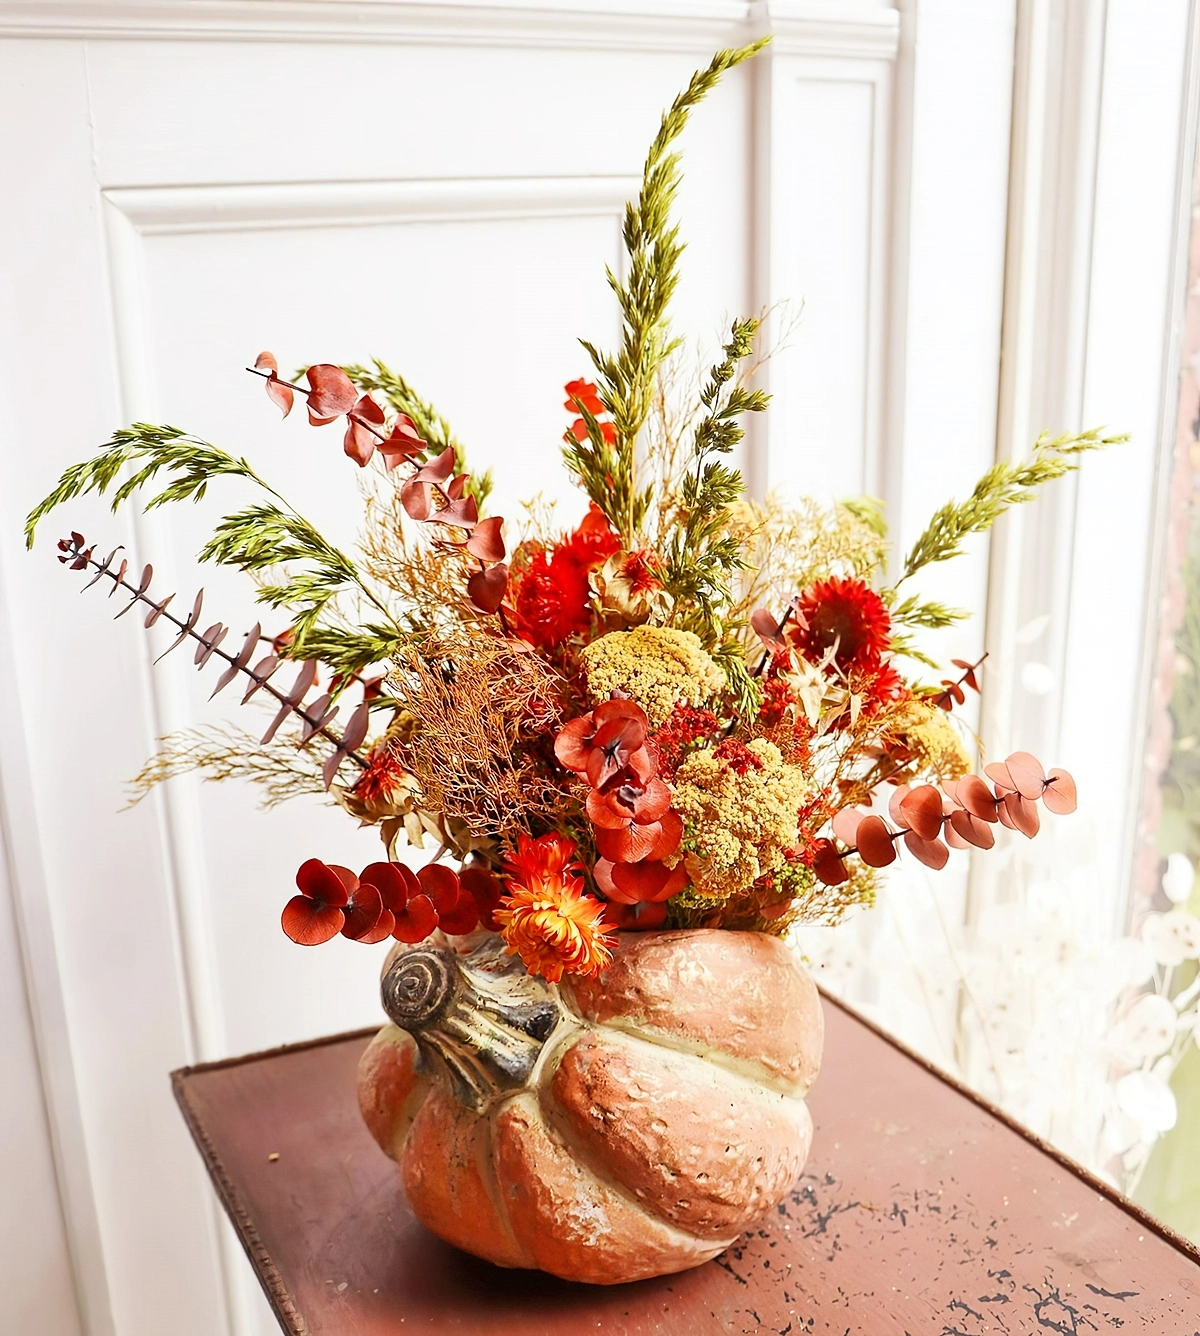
x,y
777,698
886,687
594,541
553,599
845,613
583,394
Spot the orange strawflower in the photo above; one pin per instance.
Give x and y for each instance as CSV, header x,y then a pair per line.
x,y
546,918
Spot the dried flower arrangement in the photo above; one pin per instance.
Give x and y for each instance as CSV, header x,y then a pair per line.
x,y
680,713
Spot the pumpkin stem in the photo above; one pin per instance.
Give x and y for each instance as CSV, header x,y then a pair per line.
x,y
481,1016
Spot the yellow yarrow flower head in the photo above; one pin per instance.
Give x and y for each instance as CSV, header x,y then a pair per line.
x,y
739,803
655,666
934,741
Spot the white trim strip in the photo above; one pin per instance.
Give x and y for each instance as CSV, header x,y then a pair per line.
x,y
856,28
154,210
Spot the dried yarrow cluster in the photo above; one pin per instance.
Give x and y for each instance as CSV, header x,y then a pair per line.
x,y
690,709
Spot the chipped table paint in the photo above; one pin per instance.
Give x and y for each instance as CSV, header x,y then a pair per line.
x,y
921,1212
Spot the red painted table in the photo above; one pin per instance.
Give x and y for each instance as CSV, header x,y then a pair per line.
x,y
921,1212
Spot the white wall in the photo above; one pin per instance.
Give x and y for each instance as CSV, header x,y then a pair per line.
x,y
186,182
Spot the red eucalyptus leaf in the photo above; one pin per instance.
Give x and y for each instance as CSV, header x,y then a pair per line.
x,y
325,882
417,500
333,393
486,589
362,912
485,541
648,881
572,746
644,916
1023,814
875,845
156,611
1027,774
356,727
846,823
972,829
922,811
896,806
241,660
308,923
403,442
396,884
462,513
385,925
952,837
933,853
279,394
766,627
976,797
463,918
968,676
1059,796
212,640
333,763
458,486
359,442
630,844
439,469
485,890
416,921
440,884
304,679
124,566
261,671
827,865
997,772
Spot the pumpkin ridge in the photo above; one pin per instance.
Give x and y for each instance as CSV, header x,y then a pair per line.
x,y
743,1068
603,1155
491,1180
683,1249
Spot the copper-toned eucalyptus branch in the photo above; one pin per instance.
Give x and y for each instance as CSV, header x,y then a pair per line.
x,y
331,394
316,716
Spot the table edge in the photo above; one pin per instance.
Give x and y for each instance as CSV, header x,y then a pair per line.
x,y
292,1321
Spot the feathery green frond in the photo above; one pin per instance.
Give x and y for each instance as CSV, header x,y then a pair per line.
x,y
191,462
1002,486
627,379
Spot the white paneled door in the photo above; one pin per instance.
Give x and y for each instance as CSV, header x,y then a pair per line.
x,y
186,182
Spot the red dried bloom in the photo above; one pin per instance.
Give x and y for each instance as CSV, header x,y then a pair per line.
x,y
737,756
593,542
777,698
583,394
684,728
382,779
845,613
641,571
553,600
885,688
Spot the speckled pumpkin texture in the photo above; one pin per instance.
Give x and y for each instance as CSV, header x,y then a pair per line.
x,y
664,1119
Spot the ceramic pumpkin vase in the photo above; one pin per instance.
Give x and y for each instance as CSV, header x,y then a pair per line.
x,y
607,1129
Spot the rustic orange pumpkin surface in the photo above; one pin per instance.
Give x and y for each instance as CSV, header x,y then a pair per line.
x,y
606,1130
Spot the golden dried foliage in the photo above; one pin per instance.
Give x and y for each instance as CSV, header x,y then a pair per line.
x,y
426,581
789,544
222,751
487,710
